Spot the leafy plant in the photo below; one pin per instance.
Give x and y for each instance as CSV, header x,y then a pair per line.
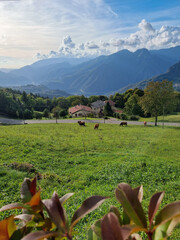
x,y
113,226
42,219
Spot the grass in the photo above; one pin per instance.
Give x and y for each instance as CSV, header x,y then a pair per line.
x,y
167,118
89,162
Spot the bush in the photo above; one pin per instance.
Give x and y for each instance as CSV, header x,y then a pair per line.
x,y
28,114
38,115
46,219
46,113
123,116
133,117
116,115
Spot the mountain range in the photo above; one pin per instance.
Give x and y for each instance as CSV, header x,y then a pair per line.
x,y
100,75
173,74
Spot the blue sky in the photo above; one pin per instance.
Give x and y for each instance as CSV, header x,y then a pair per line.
x,y
36,29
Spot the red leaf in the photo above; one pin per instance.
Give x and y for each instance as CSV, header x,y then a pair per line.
x,y
40,235
127,197
87,206
55,211
33,186
111,229
167,213
14,206
154,205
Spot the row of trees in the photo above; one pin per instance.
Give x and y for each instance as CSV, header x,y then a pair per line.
x,y
157,98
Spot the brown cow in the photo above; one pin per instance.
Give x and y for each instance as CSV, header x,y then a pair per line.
x,y
96,126
123,123
145,123
81,123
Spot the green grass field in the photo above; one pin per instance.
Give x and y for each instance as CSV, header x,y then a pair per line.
x,y
89,162
167,118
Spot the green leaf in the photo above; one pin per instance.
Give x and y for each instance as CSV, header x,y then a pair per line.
x,y
164,230
111,229
87,206
66,197
167,213
40,235
55,211
92,235
96,227
25,190
154,205
160,232
127,197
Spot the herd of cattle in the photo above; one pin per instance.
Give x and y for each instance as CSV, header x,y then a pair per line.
x,y
81,123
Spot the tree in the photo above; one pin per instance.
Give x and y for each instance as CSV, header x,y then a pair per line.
x,y
63,113
119,100
46,113
159,97
132,106
108,110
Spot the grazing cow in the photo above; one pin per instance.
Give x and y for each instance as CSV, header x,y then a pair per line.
x,y
123,123
145,123
96,126
81,123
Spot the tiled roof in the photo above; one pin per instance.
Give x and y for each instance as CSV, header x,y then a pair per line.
x,y
78,108
110,102
117,111
98,104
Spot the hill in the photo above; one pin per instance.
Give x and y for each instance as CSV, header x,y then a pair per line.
x,y
42,91
173,74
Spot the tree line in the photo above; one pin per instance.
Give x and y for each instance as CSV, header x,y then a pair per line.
x,y
156,99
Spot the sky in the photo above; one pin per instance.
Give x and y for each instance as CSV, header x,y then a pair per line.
x,y
37,29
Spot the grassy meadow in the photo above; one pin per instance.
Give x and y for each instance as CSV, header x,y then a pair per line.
x,y
90,162
175,117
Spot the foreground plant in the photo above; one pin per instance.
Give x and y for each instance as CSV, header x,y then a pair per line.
x,y
113,226
34,224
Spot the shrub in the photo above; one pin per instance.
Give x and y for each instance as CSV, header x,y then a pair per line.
x,y
43,219
114,226
123,116
38,115
46,113
46,219
133,117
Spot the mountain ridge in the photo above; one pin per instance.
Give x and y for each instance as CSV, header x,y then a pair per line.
x,y
96,76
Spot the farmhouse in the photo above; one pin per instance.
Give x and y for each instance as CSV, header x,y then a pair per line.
x,y
98,107
80,111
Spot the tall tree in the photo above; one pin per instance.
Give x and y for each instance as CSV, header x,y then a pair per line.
x,y
159,97
108,110
132,106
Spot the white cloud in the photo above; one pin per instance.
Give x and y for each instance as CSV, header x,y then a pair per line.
x,y
79,28
145,26
146,37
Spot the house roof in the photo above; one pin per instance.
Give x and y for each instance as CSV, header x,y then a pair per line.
x,y
98,104
117,111
110,102
79,108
